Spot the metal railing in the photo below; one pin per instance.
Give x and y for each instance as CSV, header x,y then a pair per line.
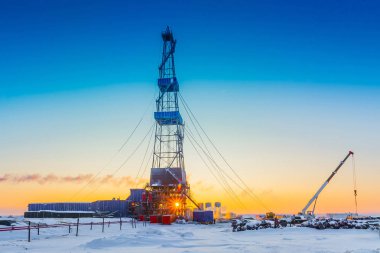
x,y
70,225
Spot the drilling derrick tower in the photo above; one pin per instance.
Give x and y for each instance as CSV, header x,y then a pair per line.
x,y
168,189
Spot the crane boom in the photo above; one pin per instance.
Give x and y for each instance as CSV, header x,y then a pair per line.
x,y
314,198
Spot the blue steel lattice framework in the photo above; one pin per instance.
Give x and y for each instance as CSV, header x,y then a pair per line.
x,y
168,151
168,188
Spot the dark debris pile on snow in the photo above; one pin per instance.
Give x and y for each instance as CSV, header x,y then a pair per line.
x,y
318,223
370,223
251,224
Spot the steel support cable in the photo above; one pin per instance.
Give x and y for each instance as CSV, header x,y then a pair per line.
x,y
217,168
222,181
126,160
222,177
242,188
191,137
213,160
92,179
138,124
146,165
233,198
354,182
200,136
143,160
209,155
212,173
248,190
196,129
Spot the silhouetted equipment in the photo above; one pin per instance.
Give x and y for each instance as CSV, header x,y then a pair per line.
x,y
270,215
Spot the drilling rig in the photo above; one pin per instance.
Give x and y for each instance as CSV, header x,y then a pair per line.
x,y
168,190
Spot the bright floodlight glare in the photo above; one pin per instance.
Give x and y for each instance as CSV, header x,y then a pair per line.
x,y
176,204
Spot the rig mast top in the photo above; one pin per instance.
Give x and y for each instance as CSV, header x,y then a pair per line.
x,y
167,67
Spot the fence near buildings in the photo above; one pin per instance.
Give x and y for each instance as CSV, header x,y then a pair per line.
x,y
71,226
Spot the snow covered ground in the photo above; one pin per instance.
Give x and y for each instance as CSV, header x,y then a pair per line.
x,y
189,238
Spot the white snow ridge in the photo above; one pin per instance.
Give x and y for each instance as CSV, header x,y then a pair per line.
x,y
190,238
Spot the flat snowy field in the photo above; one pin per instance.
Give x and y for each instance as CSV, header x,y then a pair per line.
x,y
189,238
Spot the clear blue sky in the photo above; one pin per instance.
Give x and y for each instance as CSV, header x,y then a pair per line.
x,y
283,87
62,45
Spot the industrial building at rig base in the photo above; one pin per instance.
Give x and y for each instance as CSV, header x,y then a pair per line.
x,y
131,207
167,196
